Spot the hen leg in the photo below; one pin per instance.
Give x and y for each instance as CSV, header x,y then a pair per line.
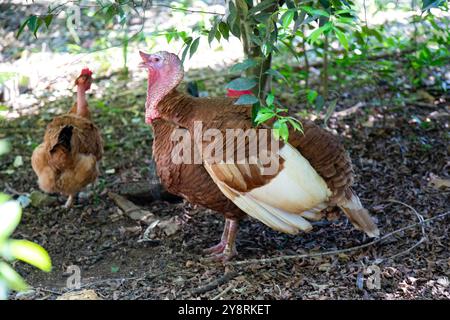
x,y
69,202
226,248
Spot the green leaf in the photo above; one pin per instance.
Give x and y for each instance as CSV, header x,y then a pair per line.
x,y
48,20
287,18
12,278
263,117
185,51
18,161
241,84
341,37
4,146
224,30
110,12
311,96
31,253
281,129
4,198
330,110
244,65
38,25
33,24
296,124
316,33
22,26
10,215
315,12
320,102
277,75
269,99
428,4
194,47
262,6
212,32
242,8
247,99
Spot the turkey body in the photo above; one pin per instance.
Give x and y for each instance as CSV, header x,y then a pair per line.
x,y
321,150
207,151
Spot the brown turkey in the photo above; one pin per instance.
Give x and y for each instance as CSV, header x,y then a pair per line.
x,y
313,170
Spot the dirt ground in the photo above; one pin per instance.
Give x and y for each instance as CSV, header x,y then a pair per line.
x,y
394,157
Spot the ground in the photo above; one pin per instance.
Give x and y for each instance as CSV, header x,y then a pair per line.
x,y
395,158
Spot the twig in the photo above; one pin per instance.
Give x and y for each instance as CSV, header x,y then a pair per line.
x,y
220,295
14,191
333,252
187,10
422,224
215,283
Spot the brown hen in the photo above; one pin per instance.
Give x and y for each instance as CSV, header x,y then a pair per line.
x,y
68,159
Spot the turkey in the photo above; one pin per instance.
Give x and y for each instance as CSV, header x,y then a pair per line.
x,y
285,185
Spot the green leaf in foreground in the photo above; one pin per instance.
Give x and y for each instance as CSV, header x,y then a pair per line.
x,y
241,84
30,253
342,38
319,31
242,66
10,214
247,99
12,278
194,47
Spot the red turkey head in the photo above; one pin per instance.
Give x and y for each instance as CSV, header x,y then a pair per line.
x,y
165,72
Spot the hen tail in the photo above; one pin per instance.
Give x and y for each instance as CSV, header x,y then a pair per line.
x,y
359,216
60,153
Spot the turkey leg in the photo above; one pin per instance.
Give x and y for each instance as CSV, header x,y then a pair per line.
x,y
226,248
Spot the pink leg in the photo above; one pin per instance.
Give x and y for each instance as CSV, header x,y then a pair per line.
x,y
226,248
218,248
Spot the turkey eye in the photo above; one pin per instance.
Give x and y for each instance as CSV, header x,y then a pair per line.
x,y
156,59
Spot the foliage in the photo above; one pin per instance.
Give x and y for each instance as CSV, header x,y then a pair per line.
x,y
11,249
331,30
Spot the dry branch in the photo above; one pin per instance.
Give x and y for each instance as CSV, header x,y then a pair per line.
x,y
215,283
334,252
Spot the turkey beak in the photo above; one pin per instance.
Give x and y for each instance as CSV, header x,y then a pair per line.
x,y
145,59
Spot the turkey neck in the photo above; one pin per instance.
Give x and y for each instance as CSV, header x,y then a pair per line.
x,y
165,102
177,108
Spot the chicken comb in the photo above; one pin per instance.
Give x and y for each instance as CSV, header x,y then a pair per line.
x,y
86,72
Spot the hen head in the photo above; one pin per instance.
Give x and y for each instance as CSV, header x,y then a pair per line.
x,y
84,79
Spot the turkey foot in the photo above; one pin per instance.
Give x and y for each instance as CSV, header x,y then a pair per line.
x,y
226,248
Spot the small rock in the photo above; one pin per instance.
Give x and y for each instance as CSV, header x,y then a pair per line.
x,y
39,199
170,227
25,294
80,295
24,201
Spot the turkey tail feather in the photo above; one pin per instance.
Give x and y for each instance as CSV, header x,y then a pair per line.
x,y
359,216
